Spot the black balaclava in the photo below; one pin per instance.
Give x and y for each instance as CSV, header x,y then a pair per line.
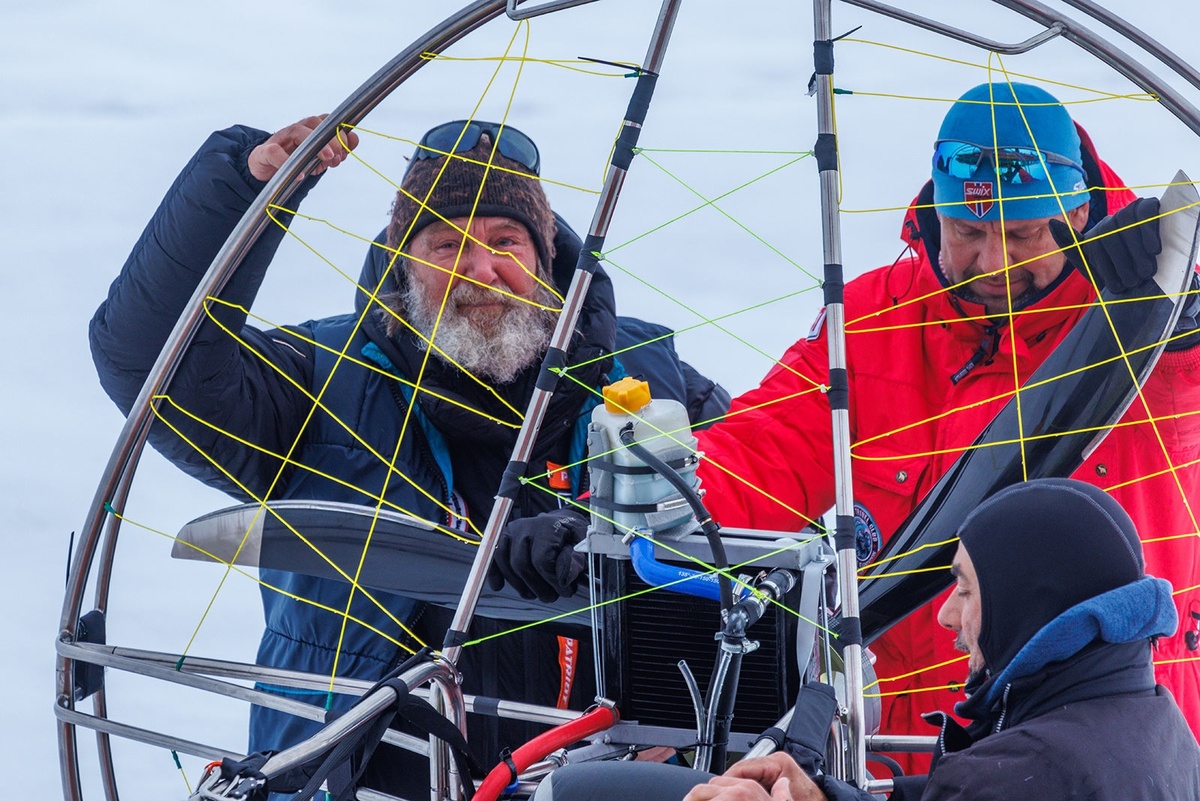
x,y
1039,548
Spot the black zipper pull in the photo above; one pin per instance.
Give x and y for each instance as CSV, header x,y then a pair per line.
x,y
986,350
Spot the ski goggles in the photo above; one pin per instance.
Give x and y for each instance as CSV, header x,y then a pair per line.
x,y
461,136
1013,165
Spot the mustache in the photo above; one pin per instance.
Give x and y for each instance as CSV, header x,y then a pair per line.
x,y
464,293
474,293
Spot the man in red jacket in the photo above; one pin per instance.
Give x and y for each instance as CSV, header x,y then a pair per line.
x,y
939,341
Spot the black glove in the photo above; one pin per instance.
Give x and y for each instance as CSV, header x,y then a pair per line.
x,y
537,555
1187,328
838,790
805,740
1121,260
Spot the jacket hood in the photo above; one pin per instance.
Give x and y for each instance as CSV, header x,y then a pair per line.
x,y
1137,611
1100,669
1035,610
1020,541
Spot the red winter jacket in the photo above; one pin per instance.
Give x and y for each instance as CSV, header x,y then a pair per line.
x,y
769,464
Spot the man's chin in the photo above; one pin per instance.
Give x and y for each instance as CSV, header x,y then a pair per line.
x,y
996,305
486,319
976,675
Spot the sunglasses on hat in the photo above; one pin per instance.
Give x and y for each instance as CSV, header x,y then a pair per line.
x,y
1013,165
461,136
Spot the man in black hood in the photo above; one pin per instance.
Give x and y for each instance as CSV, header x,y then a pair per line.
x,y
1058,618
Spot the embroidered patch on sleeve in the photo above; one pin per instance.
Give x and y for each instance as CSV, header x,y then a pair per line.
x,y
815,330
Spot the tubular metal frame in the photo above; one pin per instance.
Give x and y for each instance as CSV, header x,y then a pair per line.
x,y
1074,32
97,543
572,308
831,241
117,477
1056,25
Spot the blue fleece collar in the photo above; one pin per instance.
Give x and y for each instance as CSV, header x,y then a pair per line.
x,y
437,442
1137,611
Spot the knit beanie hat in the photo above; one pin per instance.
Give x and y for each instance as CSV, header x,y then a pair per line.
x,y
1039,548
1003,115
509,190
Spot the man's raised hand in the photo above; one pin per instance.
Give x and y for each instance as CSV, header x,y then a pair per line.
x,y
266,159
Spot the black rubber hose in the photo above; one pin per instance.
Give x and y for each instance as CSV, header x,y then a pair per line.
x,y
742,616
723,712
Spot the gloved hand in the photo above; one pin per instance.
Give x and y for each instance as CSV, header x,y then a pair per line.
x,y
1119,260
536,555
1187,328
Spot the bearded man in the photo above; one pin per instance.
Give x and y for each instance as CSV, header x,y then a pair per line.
x,y
412,402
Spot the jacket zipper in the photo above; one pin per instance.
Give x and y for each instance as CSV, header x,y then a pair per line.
x,y
986,350
1003,709
426,451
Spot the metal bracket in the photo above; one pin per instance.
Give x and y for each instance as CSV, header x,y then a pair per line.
x,y
216,787
1052,31
524,9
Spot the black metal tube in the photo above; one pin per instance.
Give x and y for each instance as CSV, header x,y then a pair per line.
x,y
571,311
773,587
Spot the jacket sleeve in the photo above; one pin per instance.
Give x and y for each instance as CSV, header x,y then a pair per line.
x,y
230,407
707,401
1022,767
768,464
1172,393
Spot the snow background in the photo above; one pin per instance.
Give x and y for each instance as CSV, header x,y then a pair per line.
x,y
104,102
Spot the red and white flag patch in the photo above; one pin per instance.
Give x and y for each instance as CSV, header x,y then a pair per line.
x,y
979,196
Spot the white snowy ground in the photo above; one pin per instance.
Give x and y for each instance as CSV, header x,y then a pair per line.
x,y
101,103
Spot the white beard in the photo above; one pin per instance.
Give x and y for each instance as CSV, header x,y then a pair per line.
x,y
492,346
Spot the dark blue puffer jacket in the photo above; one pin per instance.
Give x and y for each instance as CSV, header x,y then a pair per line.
x,y
239,385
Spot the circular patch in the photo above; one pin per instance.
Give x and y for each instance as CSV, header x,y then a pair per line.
x,y
867,539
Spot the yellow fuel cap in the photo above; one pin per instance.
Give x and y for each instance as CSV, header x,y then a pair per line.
x,y
626,396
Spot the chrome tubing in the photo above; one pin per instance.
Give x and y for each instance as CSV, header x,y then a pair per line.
x,y
950,32
123,460
563,330
163,666
370,707
1118,59
766,745
1139,38
847,561
1058,25
528,9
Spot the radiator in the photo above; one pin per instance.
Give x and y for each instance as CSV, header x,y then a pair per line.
x,y
644,638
